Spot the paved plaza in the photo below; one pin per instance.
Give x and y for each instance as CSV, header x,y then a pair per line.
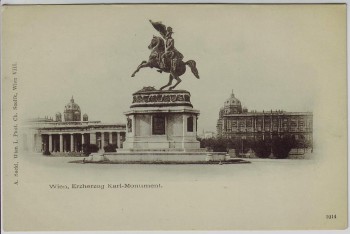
x,y
59,169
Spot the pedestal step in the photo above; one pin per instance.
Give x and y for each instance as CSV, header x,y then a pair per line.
x,y
161,156
162,150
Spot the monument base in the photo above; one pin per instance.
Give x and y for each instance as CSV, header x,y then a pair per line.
x,y
150,157
160,142
161,128
161,120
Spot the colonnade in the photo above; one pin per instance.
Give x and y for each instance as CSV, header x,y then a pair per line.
x,y
73,142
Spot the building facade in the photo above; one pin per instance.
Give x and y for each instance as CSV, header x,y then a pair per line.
x,y
69,134
236,122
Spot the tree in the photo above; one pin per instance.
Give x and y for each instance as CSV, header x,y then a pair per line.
x,y
262,148
110,148
215,144
220,145
281,146
89,148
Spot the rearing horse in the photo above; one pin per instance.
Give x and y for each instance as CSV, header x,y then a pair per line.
x,y
154,60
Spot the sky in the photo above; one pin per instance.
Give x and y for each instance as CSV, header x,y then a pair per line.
x,y
279,57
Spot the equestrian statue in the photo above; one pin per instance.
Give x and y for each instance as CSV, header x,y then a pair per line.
x,y
165,57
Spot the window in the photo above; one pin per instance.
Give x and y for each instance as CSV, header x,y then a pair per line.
x,y
158,125
249,123
190,124
293,126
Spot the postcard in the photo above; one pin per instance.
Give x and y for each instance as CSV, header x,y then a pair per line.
x,y
174,117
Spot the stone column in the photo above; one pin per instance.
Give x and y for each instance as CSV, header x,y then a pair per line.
x,y
255,130
102,140
61,142
75,143
82,142
71,143
50,143
43,143
110,138
118,140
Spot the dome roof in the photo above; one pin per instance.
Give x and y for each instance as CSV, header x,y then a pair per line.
x,y
232,101
58,113
71,106
85,115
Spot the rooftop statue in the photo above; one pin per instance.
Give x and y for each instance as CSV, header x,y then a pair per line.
x,y
165,57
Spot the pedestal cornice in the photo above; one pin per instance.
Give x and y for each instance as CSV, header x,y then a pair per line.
x,y
150,97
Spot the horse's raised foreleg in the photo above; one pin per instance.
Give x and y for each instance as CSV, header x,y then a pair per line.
x,y
178,81
169,83
142,65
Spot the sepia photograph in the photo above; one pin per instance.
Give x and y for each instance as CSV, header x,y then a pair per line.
x,y
174,117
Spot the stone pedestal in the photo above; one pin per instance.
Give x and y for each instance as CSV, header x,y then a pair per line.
x,y
161,121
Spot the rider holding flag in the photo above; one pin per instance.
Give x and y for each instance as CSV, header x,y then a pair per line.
x,y
171,52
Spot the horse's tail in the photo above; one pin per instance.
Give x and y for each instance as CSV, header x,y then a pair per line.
x,y
192,65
